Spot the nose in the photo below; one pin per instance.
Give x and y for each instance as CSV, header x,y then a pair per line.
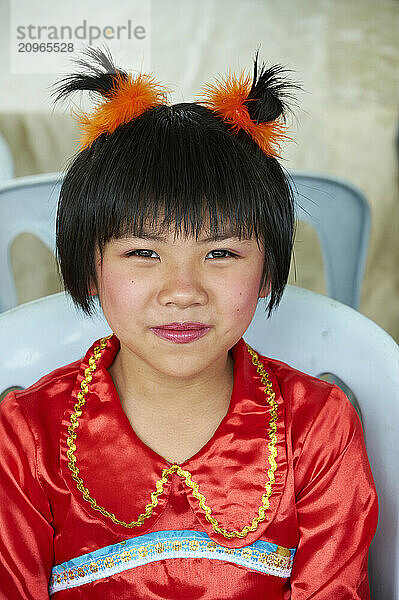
x,y
182,287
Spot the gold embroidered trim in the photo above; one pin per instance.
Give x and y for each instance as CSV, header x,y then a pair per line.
x,y
166,473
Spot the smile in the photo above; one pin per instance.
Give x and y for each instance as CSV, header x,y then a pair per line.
x,y
179,336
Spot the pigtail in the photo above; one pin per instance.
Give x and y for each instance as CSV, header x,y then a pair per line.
x,y
101,78
123,96
256,105
270,93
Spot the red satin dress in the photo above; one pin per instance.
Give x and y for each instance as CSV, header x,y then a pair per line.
x,y
280,503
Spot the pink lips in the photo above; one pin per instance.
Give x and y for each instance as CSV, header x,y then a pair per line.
x,y
181,333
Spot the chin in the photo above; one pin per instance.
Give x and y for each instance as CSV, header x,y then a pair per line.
x,y
180,366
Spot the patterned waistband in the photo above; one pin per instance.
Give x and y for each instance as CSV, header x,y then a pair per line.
x,y
260,556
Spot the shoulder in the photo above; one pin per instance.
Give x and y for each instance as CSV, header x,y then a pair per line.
x,y
313,406
323,432
43,403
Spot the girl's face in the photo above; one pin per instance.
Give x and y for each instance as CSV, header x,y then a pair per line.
x,y
145,283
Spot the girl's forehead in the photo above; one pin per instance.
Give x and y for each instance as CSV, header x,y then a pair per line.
x,y
186,241
192,230
203,237
160,229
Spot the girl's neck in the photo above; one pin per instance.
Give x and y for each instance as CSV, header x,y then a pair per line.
x,y
138,384
174,417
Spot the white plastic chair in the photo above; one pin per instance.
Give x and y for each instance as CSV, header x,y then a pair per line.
x,y
309,331
317,334
340,214
41,335
27,205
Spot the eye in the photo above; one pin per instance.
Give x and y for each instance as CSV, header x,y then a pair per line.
x,y
142,253
220,253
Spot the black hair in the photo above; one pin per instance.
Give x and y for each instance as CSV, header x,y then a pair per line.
x,y
174,167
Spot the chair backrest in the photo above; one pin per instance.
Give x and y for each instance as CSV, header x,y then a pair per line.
x,y
337,210
27,205
6,161
340,214
44,334
311,332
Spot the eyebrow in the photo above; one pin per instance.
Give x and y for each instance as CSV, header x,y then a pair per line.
x,y
216,237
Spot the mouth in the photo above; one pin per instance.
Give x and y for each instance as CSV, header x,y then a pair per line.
x,y
182,326
181,333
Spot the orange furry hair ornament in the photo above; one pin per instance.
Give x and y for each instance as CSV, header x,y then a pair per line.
x,y
128,99
254,105
126,96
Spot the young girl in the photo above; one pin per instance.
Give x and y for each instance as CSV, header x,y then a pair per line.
x,y
174,461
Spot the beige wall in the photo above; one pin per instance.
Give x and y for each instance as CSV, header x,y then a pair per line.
x,y
345,52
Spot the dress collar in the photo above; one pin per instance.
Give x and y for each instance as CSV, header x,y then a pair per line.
x,y
233,484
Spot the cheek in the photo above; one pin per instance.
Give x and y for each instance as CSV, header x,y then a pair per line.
x,y
242,296
119,292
